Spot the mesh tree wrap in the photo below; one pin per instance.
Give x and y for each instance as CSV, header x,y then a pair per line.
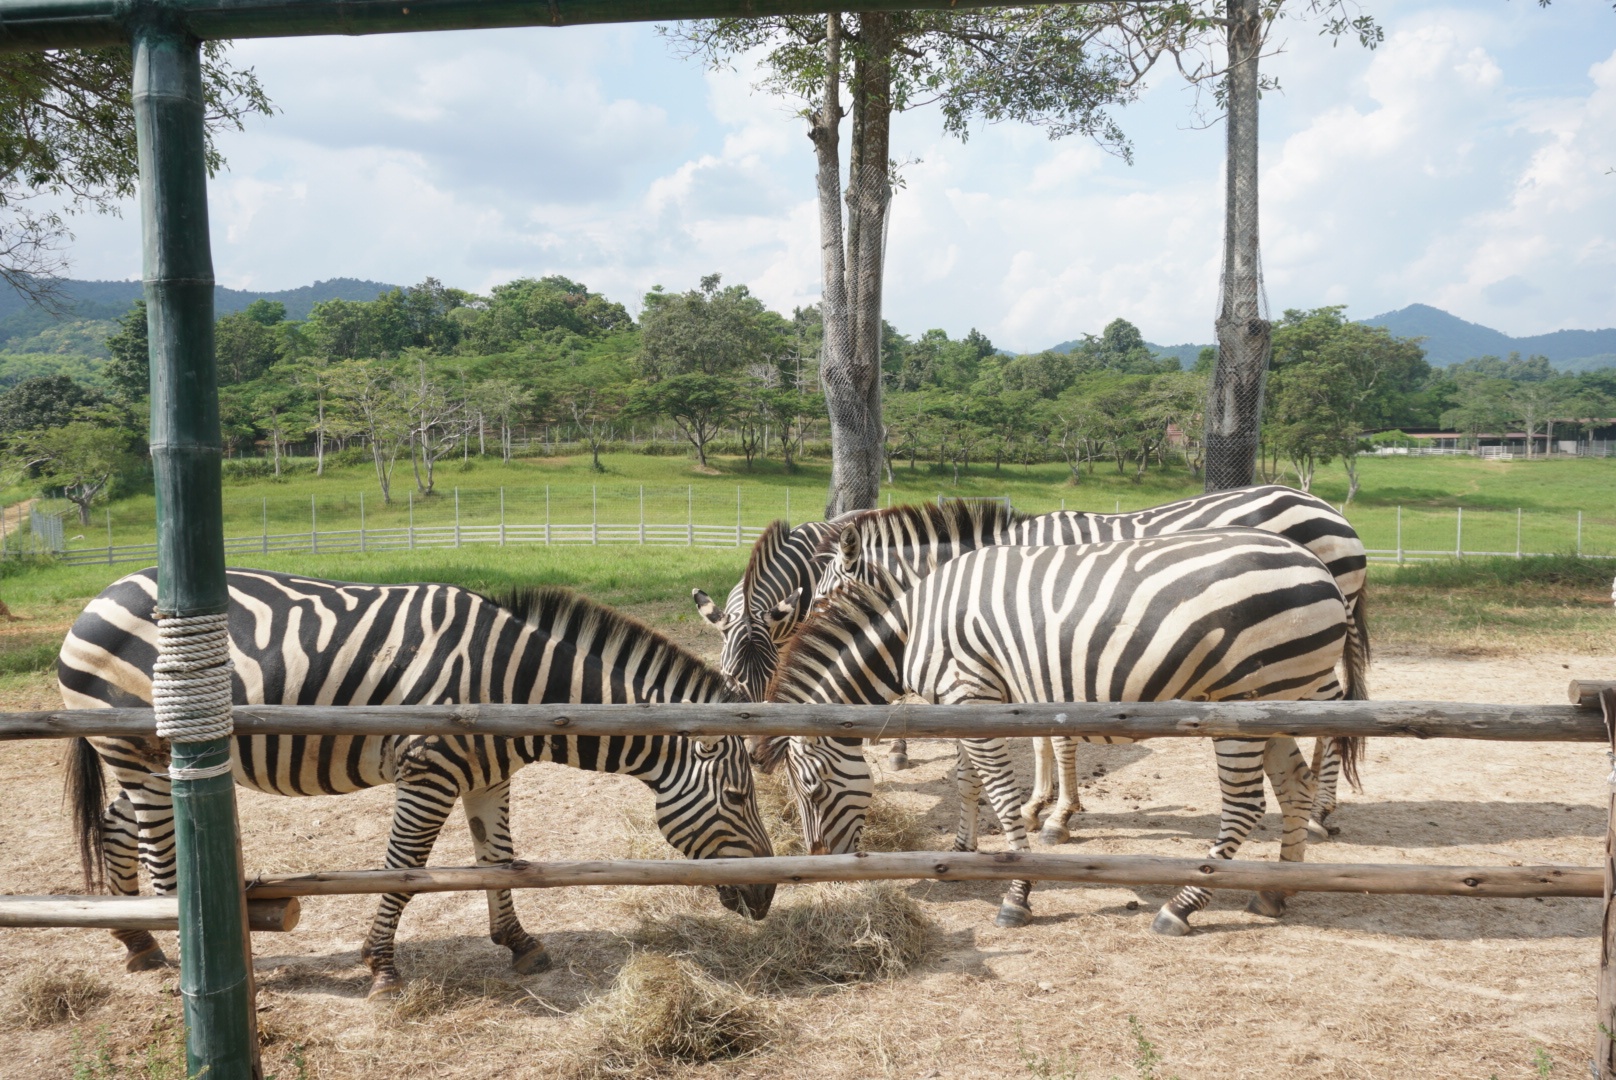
x,y
1235,399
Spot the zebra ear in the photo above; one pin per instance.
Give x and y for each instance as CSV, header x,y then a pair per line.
x,y
784,610
709,610
847,546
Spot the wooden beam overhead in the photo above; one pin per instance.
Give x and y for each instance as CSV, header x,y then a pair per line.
x,y
54,24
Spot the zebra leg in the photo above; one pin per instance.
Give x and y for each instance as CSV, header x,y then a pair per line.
x,y
1043,782
1327,764
1057,826
488,815
420,809
1293,784
898,755
968,783
120,834
1240,779
990,758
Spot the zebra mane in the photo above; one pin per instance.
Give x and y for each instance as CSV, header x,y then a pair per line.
x,y
598,629
830,623
955,517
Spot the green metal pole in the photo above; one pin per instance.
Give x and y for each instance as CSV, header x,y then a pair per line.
x,y
215,972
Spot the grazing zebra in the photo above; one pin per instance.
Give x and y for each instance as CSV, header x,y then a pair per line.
x,y
298,641
1217,615
765,606
907,542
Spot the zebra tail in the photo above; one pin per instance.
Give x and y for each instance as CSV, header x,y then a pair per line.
x,y
85,789
1357,689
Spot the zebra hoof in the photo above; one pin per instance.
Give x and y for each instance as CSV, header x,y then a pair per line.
x,y
532,961
1271,904
150,958
385,987
1054,833
1012,915
1316,830
1169,925
897,762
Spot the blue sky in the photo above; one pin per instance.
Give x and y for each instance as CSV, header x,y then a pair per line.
x,y
1465,164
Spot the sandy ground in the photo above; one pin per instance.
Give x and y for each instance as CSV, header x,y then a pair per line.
x,y
1342,986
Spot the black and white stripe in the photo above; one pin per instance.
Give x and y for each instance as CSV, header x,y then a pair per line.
x,y
1216,615
300,641
765,606
903,544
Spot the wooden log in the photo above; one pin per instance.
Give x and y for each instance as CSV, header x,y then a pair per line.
x,y
1605,997
1139,720
1585,692
1490,881
132,912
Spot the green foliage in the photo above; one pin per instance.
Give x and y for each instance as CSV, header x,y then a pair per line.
x,y
129,370
708,331
1474,573
82,458
45,402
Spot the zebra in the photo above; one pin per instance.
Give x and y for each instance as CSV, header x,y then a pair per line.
x,y
1216,615
302,641
764,607
907,542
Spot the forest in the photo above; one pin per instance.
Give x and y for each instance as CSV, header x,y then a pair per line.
x,y
541,366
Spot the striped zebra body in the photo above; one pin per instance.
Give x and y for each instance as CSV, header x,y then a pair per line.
x,y
1236,614
903,544
299,641
765,606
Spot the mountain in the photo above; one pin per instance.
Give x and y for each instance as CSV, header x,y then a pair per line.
x,y
89,310
1451,340
110,299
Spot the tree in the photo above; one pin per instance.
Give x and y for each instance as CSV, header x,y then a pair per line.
x,y
247,343
438,420
276,405
1029,64
129,370
47,401
370,401
81,458
526,312
1481,405
593,396
502,401
1533,404
709,331
67,132
698,404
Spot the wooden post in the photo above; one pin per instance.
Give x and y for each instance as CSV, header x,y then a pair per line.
x,y
1605,1009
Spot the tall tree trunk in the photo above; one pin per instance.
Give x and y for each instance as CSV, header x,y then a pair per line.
x,y
851,364
1235,400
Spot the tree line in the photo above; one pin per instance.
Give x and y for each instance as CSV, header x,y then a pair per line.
x,y
422,374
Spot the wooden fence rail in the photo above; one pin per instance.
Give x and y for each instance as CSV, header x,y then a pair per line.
x,y
1139,720
131,912
1484,881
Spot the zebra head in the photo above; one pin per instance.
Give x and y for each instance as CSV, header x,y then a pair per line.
x,y
707,808
849,650
760,614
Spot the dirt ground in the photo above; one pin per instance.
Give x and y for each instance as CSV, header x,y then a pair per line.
x,y
1342,986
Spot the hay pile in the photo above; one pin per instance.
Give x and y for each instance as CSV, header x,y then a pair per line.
x,y
664,1011
888,825
816,936
42,998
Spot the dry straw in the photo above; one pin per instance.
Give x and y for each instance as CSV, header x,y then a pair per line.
x,y
664,1011
40,999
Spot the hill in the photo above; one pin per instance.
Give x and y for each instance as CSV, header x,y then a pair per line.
x,y
89,308
1186,354
1452,340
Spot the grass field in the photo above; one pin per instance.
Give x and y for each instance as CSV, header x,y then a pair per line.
x,y
1444,605
1506,506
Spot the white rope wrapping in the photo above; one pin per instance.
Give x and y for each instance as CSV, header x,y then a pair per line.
x,y
191,679
177,773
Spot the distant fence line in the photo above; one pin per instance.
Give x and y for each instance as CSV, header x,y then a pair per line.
x,y
587,516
